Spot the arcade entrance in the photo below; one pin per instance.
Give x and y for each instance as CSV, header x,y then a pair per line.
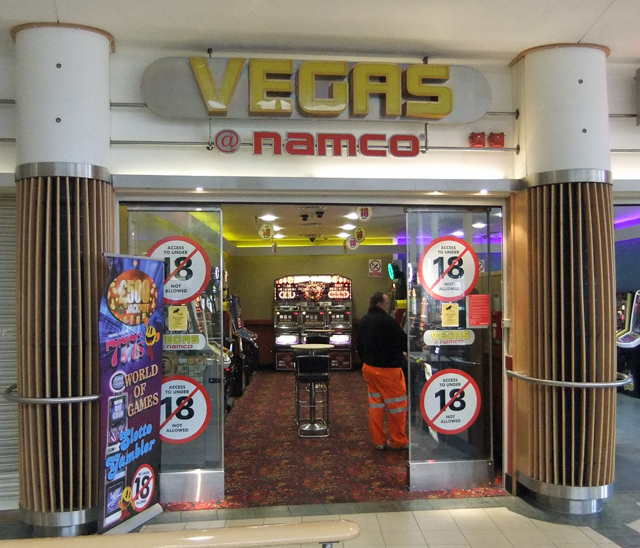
x,y
442,267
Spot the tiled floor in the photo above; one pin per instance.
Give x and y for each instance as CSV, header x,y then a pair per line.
x,y
500,522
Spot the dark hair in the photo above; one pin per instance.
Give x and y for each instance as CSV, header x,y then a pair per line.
x,y
376,299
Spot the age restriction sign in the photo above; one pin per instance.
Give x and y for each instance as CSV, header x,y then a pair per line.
x,y
450,401
185,409
144,481
187,268
448,269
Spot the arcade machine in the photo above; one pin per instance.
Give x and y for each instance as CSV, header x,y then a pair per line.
x,y
628,342
308,306
245,340
286,323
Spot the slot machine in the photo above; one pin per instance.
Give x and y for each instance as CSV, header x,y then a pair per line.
x,y
628,342
339,323
286,322
308,306
313,320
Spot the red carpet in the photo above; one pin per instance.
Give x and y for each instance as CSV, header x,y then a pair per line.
x,y
267,464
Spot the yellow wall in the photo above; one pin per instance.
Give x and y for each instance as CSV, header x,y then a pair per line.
x,y
252,278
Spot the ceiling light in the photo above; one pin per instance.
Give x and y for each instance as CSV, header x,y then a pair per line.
x,y
268,217
278,236
344,235
435,193
478,225
198,209
458,233
276,228
499,214
484,191
348,227
353,216
199,189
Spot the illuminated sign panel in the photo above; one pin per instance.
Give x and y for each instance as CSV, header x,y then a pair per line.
x,y
238,88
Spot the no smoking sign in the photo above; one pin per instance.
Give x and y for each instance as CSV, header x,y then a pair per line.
x,y
448,269
187,268
450,401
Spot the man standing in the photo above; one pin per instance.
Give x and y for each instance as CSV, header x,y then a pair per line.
x,y
381,343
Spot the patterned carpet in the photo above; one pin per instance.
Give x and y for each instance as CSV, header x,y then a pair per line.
x,y
267,464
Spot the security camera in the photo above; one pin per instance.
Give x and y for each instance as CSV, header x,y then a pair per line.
x,y
319,214
210,146
304,217
312,239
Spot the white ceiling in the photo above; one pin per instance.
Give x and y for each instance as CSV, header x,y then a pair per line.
x,y
444,29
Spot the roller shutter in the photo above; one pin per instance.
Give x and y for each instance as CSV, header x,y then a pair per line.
x,y
8,358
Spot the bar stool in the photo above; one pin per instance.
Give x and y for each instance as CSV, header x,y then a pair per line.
x,y
312,378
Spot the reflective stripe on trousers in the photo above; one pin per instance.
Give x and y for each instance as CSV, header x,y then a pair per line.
x,y
387,391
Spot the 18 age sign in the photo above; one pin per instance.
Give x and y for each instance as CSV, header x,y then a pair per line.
x,y
185,411
450,401
448,269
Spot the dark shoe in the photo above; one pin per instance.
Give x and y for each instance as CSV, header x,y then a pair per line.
x,y
392,448
381,447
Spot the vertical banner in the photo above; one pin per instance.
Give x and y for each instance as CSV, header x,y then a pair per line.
x,y
130,333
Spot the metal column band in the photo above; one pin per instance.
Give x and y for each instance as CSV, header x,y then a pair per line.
x,y
62,169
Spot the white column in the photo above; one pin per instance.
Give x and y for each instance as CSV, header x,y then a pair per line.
x,y
62,97
563,130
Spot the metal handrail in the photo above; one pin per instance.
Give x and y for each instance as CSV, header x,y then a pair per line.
x,y
324,533
622,380
9,396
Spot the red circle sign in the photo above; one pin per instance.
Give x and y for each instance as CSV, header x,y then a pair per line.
x,y
448,269
185,409
189,268
450,401
142,487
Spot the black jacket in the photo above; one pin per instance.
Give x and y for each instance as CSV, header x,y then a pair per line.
x,y
381,341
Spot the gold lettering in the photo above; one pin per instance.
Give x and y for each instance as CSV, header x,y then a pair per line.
x,y
268,95
217,100
438,101
311,71
364,84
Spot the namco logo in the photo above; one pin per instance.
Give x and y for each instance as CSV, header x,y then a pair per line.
x,y
306,144
227,141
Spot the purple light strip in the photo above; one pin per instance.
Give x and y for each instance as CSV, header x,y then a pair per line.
x,y
626,222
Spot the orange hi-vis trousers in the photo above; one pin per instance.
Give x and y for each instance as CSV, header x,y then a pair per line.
x,y
387,391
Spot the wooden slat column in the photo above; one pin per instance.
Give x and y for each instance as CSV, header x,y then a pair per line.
x,y
572,319
561,354
64,226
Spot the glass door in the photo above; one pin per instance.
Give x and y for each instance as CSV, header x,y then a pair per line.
x,y
454,286
194,357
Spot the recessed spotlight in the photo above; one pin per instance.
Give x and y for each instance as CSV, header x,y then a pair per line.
x,y
458,233
198,209
348,227
435,193
199,189
499,214
276,228
484,191
478,225
353,216
278,236
268,217
344,235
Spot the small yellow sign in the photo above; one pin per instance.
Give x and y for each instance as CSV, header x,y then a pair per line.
x,y
450,316
177,318
266,231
